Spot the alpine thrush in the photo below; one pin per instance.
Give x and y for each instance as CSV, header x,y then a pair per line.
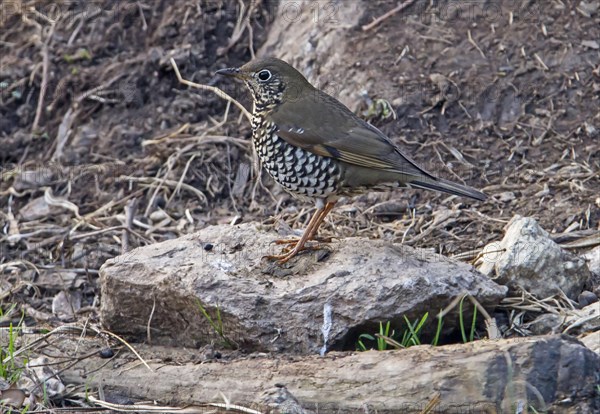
x,y
318,149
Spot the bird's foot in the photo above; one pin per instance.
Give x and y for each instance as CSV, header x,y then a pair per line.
x,y
315,239
281,258
310,245
292,250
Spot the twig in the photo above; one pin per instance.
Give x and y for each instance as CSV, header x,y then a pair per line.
x,y
437,39
539,59
64,131
180,182
389,14
131,348
82,17
96,232
148,330
411,225
44,86
432,404
241,24
169,183
166,137
170,163
130,208
213,89
98,88
144,24
154,408
59,202
474,44
251,40
42,16
490,323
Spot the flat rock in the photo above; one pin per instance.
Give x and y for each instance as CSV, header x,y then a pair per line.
x,y
593,259
527,258
592,341
165,288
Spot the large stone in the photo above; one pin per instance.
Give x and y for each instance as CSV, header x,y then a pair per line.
x,y
580,321
527,258
572,321
266,307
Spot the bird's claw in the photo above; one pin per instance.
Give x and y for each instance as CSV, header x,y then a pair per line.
x,y
280,258
292,250
308,246
294,241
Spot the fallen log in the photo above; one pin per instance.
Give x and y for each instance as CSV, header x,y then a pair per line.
x,y
554,373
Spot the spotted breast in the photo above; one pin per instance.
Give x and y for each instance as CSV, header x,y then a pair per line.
x,y
300,172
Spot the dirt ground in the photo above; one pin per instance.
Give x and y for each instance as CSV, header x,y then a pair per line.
x,y
103,150
514,113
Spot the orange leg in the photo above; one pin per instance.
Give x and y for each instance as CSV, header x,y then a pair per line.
x,y
312,235
328,207
310,232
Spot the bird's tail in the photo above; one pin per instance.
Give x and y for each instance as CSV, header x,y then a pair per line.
x,y
445,186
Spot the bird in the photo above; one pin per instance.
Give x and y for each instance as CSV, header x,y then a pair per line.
x,y
319,150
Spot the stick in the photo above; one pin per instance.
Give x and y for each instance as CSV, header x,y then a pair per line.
x,y
213,89
45,64
130,208
474,44
389,14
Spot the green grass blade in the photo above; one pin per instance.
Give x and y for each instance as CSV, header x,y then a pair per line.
x,y
422,322
405,339
381,345
472,334
461,321
413,335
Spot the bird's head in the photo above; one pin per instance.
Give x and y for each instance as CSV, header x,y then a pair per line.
x,y
271,81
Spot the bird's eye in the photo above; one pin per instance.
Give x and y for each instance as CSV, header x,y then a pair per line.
x,y
264,75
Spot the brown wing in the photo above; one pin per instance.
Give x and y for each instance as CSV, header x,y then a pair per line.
x,y
322,125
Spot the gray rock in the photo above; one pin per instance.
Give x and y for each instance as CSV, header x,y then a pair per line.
x,y
571,321
587,298
278,400
65,304
527,258
593,260
45,374
592,341
548,323
583,320
38,208
267,307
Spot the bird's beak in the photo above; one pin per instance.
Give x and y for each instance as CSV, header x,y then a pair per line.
x,y
233,72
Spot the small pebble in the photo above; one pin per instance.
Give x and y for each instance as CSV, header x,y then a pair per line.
x,y
587,298
158,215
107,353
